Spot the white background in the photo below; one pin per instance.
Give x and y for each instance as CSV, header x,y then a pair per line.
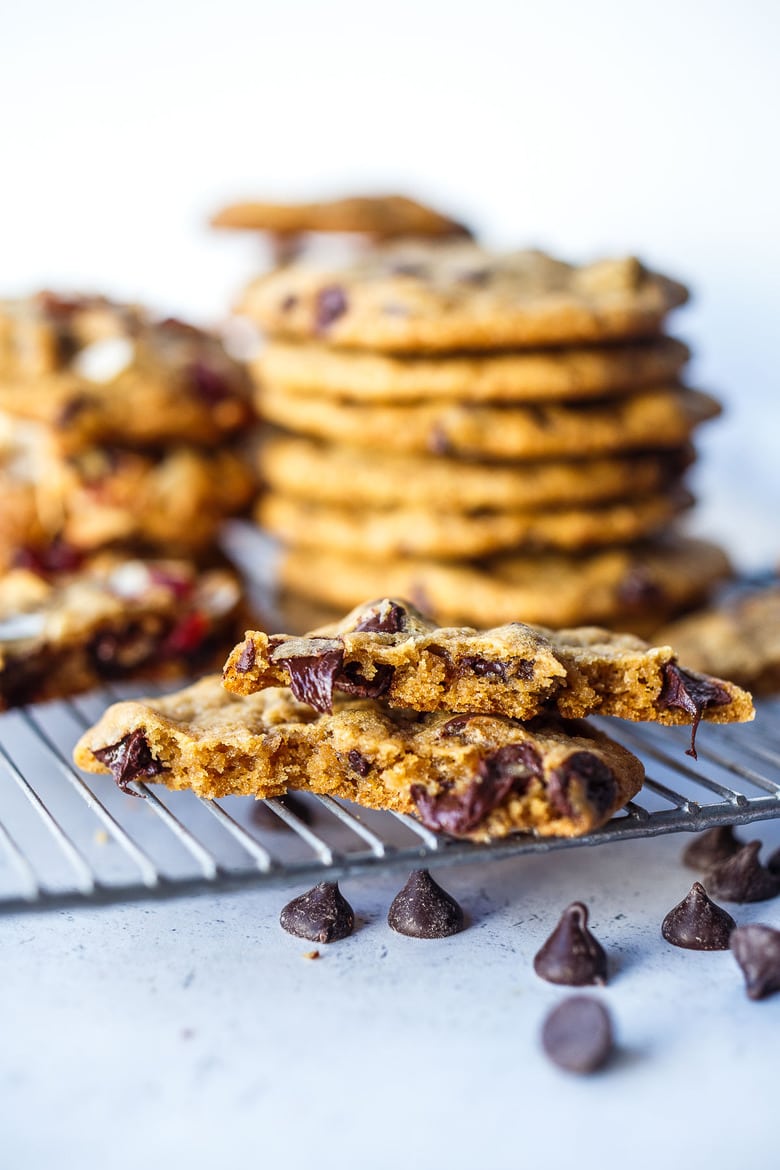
x,y
597,127
197,1031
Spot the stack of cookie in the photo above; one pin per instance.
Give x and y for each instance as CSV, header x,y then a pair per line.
x,y
119,442
497,436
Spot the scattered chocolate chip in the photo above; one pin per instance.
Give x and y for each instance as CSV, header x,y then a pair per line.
x,y
424,910
358,762
352,682
638,590
312,675
511,768
384,619
331,304
757,950
742,877
246,658
773,863
129,759
265,817
710,847
691,693
572,955
599,787
697,923
322,914
577,1034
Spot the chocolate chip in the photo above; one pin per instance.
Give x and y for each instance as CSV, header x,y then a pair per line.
x,y
265,818
510,768
572,955
322,914
712,846
352,682
445,658
742,878
456,725
358,762
384,618
484,667
638,590
312,675
697,923
246,658
129,759
773,863
577,1035
599,787
692,693
209,386
424,910
331,304
757,950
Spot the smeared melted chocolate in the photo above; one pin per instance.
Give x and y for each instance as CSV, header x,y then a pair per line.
x,y
246,658
511,768
384,620
597,780
129,759
330,305
692,694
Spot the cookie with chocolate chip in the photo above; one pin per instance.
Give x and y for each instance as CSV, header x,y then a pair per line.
x,y
415,298
381,217
661,418
387,650
476,776
100,373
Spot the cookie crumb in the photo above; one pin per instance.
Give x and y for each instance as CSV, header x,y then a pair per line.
x,y
311,955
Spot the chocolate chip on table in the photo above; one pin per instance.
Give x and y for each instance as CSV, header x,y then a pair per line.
x,y
572,955
129,759
710,847
692,694
322,914
265,818
773,863
742,877
757,950
423,909
331,304
577,1034
697,923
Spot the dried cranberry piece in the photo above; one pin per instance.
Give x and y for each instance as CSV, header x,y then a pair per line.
x,y
187,635
57,557
129,759
180,587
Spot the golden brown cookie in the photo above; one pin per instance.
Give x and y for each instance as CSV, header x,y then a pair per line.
x,y
479,776
532,376
382,217
415,298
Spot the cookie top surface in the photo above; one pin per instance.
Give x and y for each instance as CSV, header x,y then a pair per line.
x,y
479,776
413,298
533,376
382,217
387,649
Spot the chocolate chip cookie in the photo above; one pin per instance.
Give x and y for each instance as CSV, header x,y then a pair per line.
x,y
418,298
386,649
478,776
382,217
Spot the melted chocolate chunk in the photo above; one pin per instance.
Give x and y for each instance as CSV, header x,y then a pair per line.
x,y
599,787
577,1035
246,658
757,950
208,385
312,676
511,768
352,682
697,923
742,878
389,619
330,305
321,915
445,658
693,694
572,955
712,846
358,762
456,725
424,910
265,818
129,759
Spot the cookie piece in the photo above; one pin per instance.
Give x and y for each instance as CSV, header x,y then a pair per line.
x,y
174,499
535,376
145,383
335,474
113,618
415,298
617,585
479,777
382,217
740,638
386,649
421,531
660,418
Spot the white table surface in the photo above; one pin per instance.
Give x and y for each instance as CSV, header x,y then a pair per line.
x,y
195,1033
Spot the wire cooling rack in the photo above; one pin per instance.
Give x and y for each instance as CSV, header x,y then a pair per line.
x,y
70,839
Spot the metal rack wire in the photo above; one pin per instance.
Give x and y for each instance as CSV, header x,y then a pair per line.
x,y
67,839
